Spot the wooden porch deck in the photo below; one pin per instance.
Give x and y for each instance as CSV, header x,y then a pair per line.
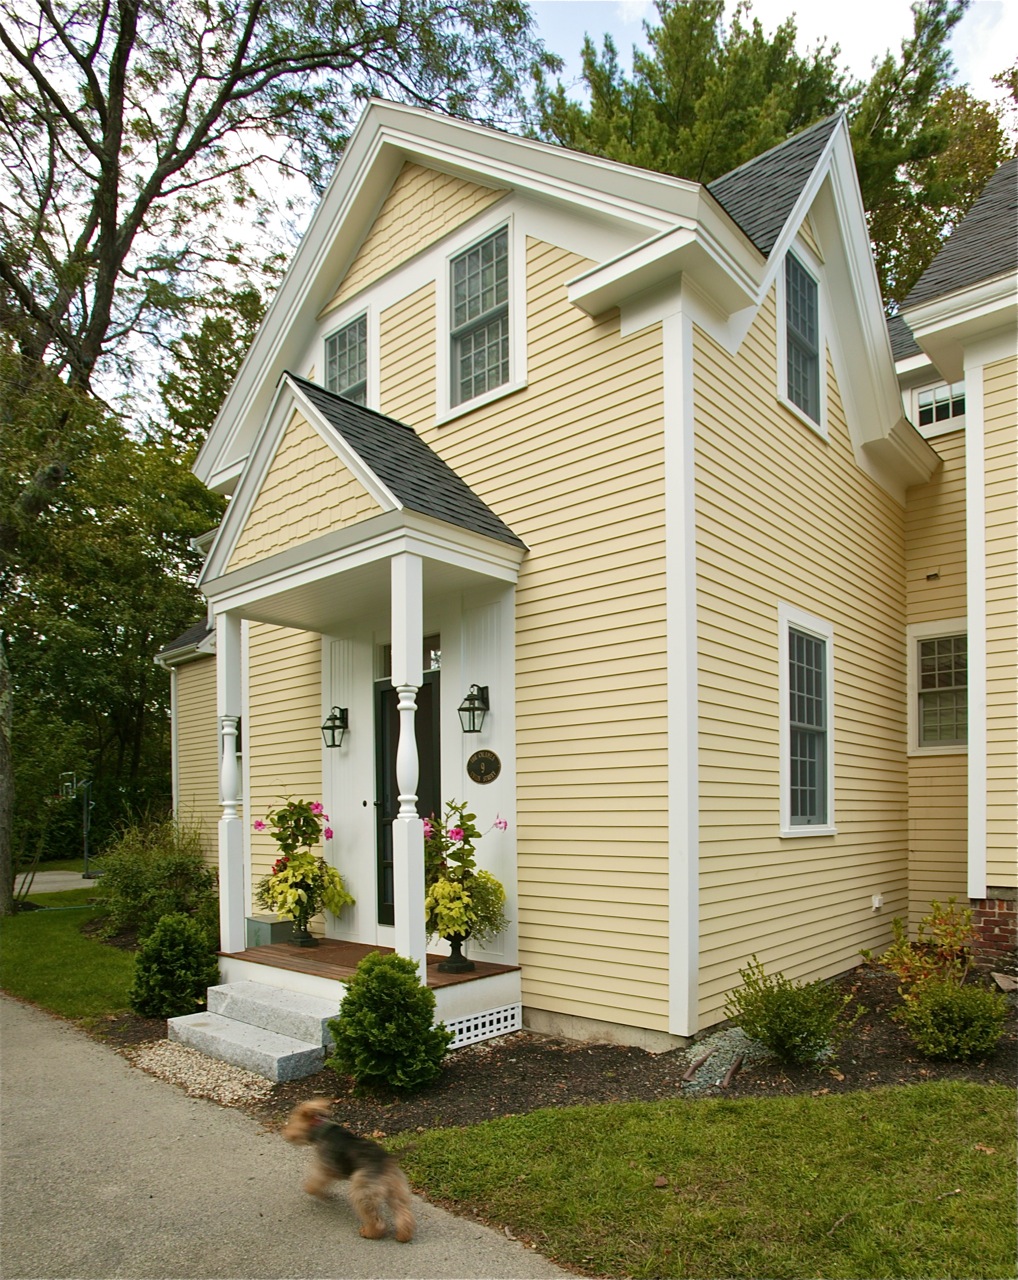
x,y
335,959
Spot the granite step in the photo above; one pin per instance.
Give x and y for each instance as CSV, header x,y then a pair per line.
x,y
289,1013
267,1053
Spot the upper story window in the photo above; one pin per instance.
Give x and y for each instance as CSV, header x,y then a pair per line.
x,y
941,407
802,338
806,691
346,361
943,691
480,318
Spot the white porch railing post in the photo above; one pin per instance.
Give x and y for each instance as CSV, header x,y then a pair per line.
x,y
408,829
232,906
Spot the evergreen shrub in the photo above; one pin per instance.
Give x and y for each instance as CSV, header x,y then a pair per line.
x,y
175,967
385,1032
945,1020
798,1022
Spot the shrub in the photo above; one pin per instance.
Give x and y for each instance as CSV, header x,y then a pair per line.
x,y
385,1032
153,870
797,1022
945,1020
174,969
941,952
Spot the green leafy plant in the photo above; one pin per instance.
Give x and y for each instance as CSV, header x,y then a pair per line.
x,y
174,969
941,952
385,1033
945,1020
459,900
153,870
799,1023
301,882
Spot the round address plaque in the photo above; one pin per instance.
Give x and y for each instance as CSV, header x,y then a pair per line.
x,y
483,766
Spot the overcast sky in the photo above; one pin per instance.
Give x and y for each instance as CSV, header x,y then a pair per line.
x,y
984,42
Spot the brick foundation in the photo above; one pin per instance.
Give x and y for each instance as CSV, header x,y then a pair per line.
x,y
996,921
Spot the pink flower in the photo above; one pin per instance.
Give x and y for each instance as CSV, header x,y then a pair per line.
x,y
259,825
317,807
328,833
429,830
501,824
455,834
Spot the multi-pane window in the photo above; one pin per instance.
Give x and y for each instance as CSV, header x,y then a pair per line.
x,y
802,338
480,318
943,691
941,404
346,361
807,720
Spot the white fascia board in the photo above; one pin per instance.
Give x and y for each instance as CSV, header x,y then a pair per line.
x,y
385,137
946,325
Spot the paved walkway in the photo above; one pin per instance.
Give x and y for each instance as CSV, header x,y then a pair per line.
x,y
55,882
108,1173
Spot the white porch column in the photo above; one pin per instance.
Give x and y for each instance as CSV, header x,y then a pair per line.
x,y
232,906
408,829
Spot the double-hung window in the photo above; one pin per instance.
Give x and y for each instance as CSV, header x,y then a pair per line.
x,y
941,408
806,687
802,338
480,318
943,691
346,361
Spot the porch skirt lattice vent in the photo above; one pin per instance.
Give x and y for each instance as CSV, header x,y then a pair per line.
x,y
486,1025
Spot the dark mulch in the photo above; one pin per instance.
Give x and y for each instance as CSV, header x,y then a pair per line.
x,y
522,1072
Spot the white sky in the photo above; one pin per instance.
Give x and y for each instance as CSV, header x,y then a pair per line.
x,y
985,42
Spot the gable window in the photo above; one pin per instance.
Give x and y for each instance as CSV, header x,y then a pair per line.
x,y
480,318
802,338
806,690
940,406
943,691
346,361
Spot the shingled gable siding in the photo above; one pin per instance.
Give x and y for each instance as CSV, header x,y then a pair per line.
x,y
197,799
1000,400
284,739
307,492
422,206
574,465
938,784
783,516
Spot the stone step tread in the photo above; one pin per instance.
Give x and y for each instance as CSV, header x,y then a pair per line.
x,y
268,1053
293,1013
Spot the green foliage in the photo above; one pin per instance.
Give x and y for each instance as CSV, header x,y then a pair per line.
x,y
153,870
459,899
945,1020
385,1032
799,1023
175,967
300,884
941,952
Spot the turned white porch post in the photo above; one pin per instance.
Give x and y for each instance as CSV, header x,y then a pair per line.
x,y
232,908
408,829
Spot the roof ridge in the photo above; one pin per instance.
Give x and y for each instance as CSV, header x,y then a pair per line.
x,y
771,151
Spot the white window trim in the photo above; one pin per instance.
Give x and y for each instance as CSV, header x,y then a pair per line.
x,y
914,633
935,429
372,395
809,260
446,411
790,617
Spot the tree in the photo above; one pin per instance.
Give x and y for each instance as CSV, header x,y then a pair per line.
x,y
706,98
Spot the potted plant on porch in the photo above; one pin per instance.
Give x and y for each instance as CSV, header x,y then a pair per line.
x,y
301,882
460,902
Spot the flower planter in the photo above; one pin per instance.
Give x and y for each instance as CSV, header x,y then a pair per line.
x,y
264,930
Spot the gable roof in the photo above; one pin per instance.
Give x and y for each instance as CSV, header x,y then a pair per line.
x,y
408,468
984,244
761,194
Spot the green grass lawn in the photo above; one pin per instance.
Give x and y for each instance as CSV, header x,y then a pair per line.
x,y
906,1182
45,958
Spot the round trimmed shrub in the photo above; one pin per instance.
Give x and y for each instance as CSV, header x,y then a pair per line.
x,y
174,969
385,1033
799,1023
945,1020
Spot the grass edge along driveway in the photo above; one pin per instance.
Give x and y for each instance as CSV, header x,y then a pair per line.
x,y
916,1181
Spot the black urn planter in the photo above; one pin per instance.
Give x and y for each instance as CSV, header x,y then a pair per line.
x,y
456,961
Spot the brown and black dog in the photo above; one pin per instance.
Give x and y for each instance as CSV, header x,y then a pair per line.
x,y
375,1178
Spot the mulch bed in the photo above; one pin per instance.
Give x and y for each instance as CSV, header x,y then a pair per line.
x,y
523,1072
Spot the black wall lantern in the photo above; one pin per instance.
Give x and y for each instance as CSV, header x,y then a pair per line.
x,y
473,708
335,727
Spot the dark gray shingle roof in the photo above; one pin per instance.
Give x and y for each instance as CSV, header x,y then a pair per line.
x,y
188,639
761,193
983,245
902,342
409,468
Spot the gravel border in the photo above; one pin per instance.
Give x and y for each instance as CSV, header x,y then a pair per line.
x,y
197,1074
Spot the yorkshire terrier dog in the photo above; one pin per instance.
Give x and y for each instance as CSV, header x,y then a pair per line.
x,y
375,1177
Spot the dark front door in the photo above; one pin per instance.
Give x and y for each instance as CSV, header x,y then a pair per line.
x,y
386,791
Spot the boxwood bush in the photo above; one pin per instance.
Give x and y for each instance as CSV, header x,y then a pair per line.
x,y
174,969
799,1023
945,1020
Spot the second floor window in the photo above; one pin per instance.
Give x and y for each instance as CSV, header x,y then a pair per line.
x,y
346,361
941,404
943,691
802,338
480,318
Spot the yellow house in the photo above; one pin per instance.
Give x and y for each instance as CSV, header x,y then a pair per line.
x,y
625,458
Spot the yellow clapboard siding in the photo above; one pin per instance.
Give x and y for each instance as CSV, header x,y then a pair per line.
x,y
197,800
